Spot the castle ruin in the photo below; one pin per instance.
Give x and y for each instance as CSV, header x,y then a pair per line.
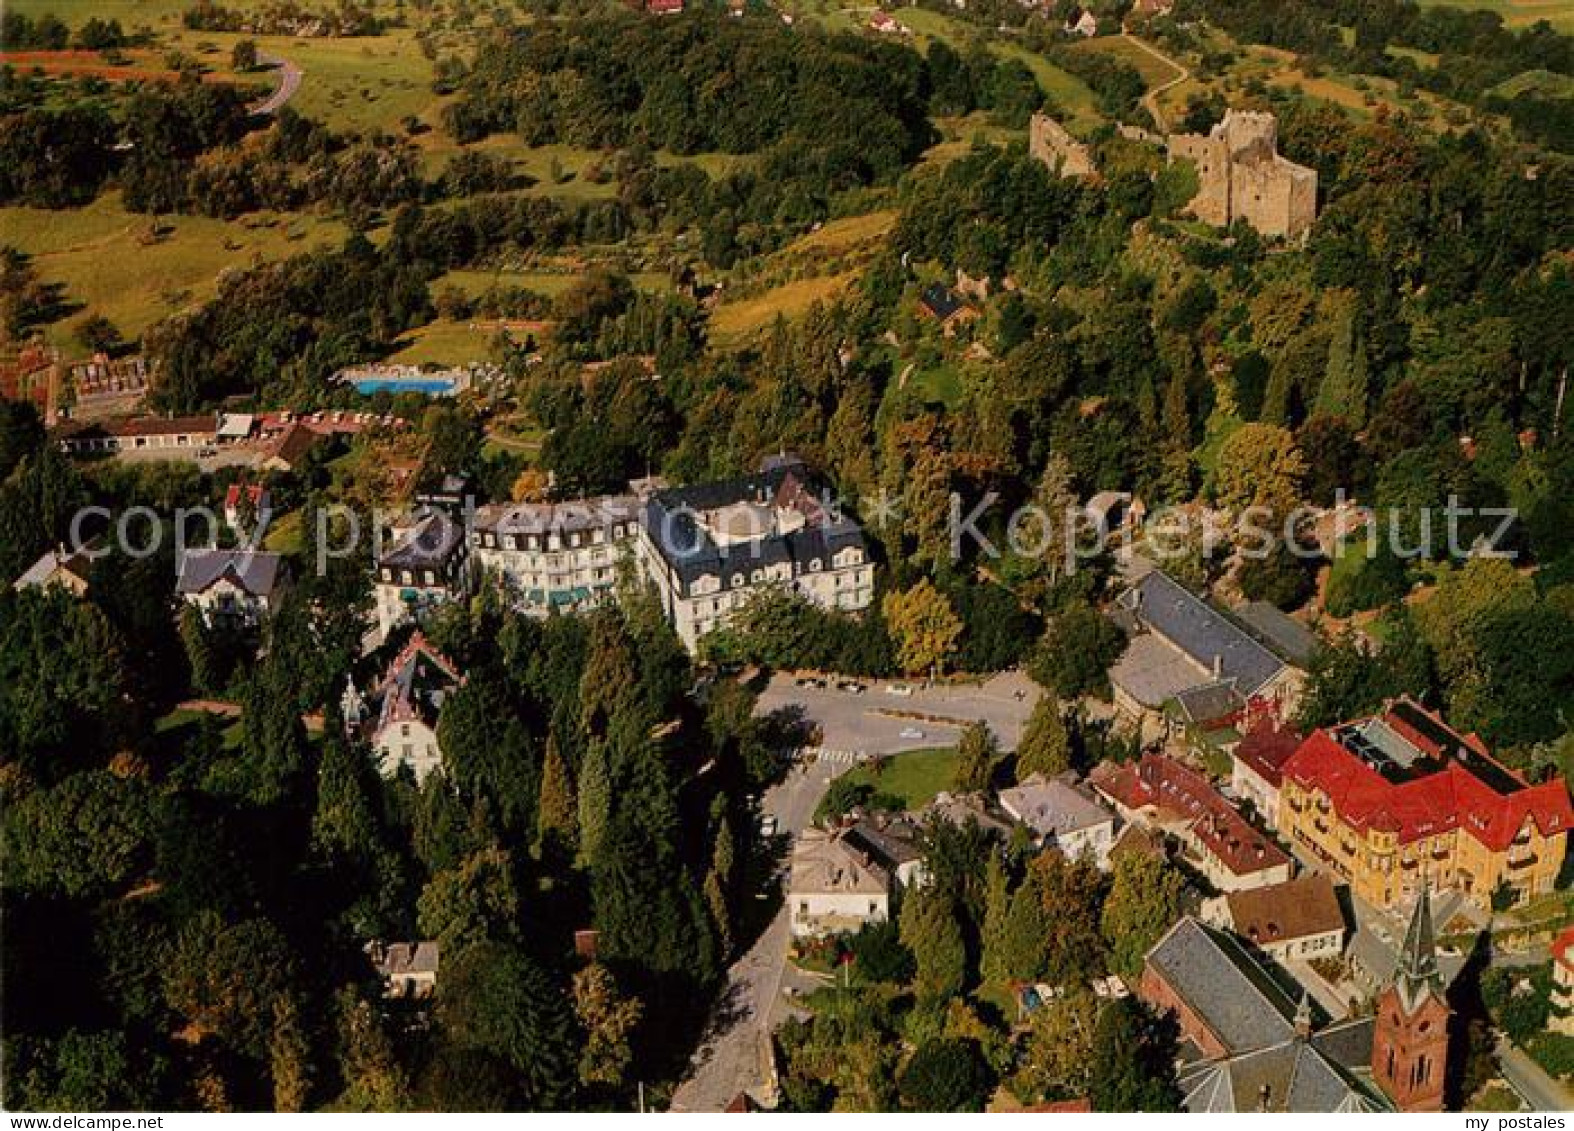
x,y
1048,141
1240,175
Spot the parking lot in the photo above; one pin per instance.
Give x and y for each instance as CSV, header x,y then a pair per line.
x,y
876,721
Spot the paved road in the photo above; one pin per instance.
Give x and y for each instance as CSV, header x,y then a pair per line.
x,y
1535,1087
290,75
731,1058
859,722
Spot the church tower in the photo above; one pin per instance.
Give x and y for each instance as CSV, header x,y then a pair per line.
x,y
1410,1044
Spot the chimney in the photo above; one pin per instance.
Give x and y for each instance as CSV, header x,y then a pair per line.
x,y
1218,666
1264,1094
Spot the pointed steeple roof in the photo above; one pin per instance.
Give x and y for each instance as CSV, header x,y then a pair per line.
x,y
1418,974
1303,1016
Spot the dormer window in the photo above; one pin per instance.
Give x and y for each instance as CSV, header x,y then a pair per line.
x,y
737,581
814,566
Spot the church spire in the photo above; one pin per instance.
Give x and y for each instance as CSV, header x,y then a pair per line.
x,y
1418,972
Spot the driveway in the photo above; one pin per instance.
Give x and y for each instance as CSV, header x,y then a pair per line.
x,y
873,722
732,1057
290,75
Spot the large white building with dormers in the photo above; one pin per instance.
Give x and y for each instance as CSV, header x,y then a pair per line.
x,y
709,548
563,556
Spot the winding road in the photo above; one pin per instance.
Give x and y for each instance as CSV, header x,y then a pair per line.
x,y
290,75
1150,100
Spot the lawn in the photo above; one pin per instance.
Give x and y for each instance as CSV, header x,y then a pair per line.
x,y
443,343
98,253
915,777
941,384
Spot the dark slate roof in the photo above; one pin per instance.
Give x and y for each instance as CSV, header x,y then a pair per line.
x,y
1295,1076
1283,634
1209,702
889,843
255,571
427,545
671,520
1166,607
1217,978
940,301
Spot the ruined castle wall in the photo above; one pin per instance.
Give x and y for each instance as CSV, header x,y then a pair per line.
x,y
1049,142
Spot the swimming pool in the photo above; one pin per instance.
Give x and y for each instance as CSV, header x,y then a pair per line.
x,y
431,386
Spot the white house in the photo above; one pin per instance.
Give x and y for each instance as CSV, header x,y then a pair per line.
x,y
231,588
1062,816
400,720
832,887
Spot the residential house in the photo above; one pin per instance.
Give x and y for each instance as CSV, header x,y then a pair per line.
x,y
258,498
556,556
408,969
400,718
894,843
287,452
1562,1019
70,570
1165,795
1257,764
1300,919
884,23
1083,23
1062,816
1179,643
832,886
1400,800
1245,1045
943,305
232,589
710,548
427,566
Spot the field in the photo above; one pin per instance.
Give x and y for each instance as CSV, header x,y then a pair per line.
x,y
98,253
1154,70
1520,13
915,777
734,321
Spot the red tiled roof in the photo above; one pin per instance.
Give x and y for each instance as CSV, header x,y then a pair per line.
x,y
1267,746
1451,797
254,492
1179,792
1561,947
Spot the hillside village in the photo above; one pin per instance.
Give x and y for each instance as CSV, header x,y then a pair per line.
x,y
777,557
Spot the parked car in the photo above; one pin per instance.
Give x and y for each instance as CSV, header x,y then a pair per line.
x,y
852,686
767,825
912,733
902,689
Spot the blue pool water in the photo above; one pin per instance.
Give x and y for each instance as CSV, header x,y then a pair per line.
x,y
432,386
